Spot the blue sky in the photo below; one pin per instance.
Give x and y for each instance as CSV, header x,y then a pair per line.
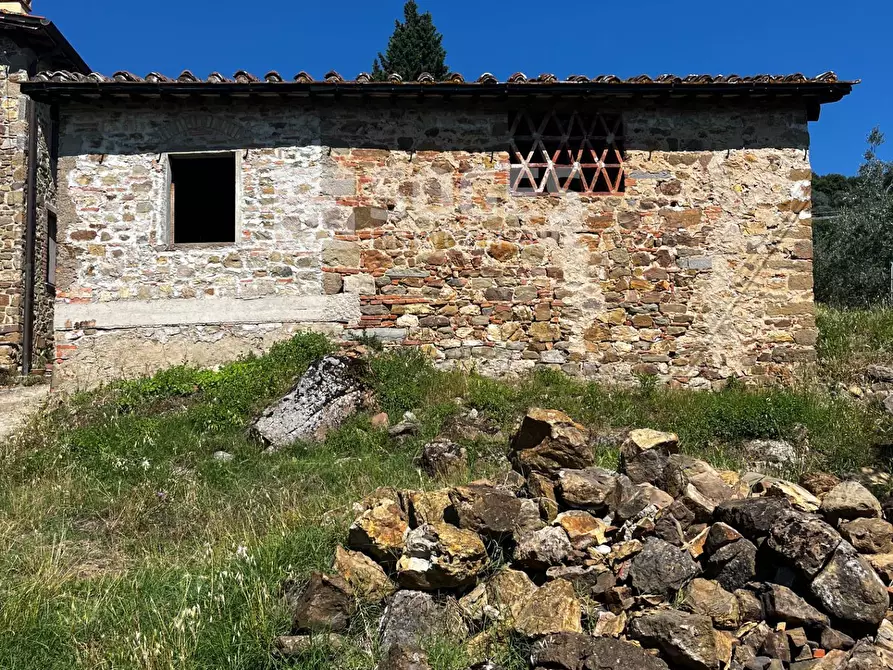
x,y
532,36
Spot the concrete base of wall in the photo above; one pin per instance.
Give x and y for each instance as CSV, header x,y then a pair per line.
x,y
88,359
99,342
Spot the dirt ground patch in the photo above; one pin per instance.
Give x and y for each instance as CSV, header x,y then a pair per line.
x,y
18,404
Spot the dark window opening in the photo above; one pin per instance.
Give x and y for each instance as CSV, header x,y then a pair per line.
x,y
556,152
51,249
203,198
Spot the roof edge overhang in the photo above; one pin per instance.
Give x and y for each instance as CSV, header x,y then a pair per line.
x,y
46,37
813,94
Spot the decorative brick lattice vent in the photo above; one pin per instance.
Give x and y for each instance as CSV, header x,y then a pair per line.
x,y
557,152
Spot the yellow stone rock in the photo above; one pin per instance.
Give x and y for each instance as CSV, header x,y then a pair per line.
x,y
608,624
613,316
429,506
441,240
439,556
646,438
543,331
554,608
367,578
501,598
502,251
380,529
583,529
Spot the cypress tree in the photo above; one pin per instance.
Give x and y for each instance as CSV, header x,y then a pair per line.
x,y
415,47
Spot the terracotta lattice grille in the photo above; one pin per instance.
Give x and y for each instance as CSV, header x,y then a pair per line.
x,y
557,152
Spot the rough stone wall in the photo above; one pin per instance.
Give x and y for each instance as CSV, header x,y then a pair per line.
x,y
14,136
398,222
44,295
13,168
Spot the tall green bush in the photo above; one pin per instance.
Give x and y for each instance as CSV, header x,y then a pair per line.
x,y
854,247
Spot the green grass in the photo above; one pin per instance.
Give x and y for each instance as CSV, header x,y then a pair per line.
x,y
852,339
125,545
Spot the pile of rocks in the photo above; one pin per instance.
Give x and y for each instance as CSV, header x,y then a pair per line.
x,y
666,563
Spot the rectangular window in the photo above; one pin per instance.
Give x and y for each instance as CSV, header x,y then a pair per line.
x,y
203,198
557,152
51,248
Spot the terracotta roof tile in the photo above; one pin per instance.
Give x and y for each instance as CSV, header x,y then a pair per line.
x,y
487,78
64,85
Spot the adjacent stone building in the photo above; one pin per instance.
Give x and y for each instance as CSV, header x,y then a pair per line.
x,y
28,44
608,228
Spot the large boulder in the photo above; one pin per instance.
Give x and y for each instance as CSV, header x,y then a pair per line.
x,y
645,454
549,440
440,556
329,392
326,603
413,617
850,500
662,569
365,576
686,640
553,608
849,589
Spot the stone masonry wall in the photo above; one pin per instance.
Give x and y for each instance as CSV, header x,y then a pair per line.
x,y
398,222
14,135
44,294
13,168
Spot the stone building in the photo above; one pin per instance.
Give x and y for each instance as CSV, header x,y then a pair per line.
x,y
28,44
606,227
